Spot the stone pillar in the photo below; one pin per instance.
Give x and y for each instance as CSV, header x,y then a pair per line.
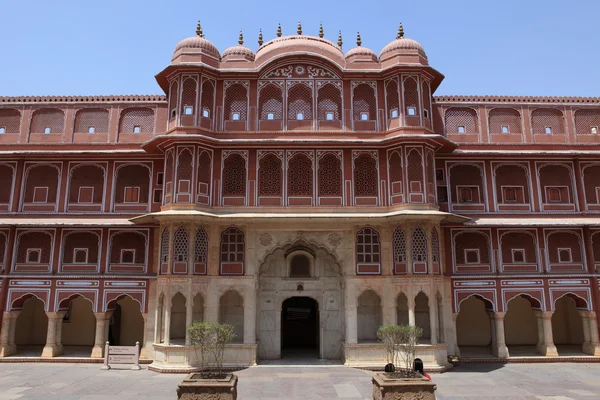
x,y
171,245
167,322
389,305
191,248
53,346
499,348
7,333
102,326
591,344
144,344
433,320
411,310
545,345
211,304
351,314
454,337
250,316
189,314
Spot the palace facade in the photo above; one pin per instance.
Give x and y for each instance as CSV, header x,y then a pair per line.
x,y
305,196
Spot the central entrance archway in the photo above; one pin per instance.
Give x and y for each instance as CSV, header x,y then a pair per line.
x,y
300,327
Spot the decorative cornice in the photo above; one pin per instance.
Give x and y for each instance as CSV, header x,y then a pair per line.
x,y
516,99
83,99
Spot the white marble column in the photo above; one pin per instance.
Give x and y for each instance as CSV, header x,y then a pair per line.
x,y
545,345
499,348
211,304
351,314
7,333
590,333
189,311
53,346
250,317
102,325
433,320
411,310
167,323
389,305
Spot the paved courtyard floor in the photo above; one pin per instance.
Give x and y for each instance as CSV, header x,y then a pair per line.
x,y
471,381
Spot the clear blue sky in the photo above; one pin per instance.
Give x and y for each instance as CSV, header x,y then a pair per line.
x,y
509,47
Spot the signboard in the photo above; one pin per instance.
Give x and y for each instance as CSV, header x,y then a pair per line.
x,y
122,355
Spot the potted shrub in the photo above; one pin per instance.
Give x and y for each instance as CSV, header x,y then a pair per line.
x,y
211,382
401,381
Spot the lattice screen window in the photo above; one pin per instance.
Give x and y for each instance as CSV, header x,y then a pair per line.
x,y
393,99
234,176
367,246
300,102
173,96
505,120
10,120
364,103
472,240
300,267
49,120
184,169
6,181
399,243
204,170
137,120
330,175
430,169
300,176
208,99
330,103
411,96
461,120
270,103
419,245
435,245
415,166
188,96
164,246
180,245
426,99
547,121
236,103
169,166
365,175
232,245
201,246
587,121
96,118
396,172
270,176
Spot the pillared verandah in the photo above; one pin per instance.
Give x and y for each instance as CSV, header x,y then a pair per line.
x,y
306,196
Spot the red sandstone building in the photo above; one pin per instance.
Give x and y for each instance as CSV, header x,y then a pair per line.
x,y
299,189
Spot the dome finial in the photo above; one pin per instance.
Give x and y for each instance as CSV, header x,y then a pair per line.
x,y
340,42
400,34
299,30
279,30
241,38
358,40
199,31
321,33
260,37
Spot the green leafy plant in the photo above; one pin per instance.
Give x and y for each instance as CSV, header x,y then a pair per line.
x,y
400,343
209,340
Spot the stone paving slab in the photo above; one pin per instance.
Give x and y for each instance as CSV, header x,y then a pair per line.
x,y
32,381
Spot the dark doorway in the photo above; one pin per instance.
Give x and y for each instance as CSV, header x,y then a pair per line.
x,y
300,327
114,327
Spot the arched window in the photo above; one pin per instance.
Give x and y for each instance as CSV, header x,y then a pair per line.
x,y
329,104
300,266
188,100
547,121
91,120
587,121
137,120
132,183
414,162
236,103
300,175
435,247
270,176
232,251
204,177
300,103
180,250
426,93
86,184
419,250
365,175
399,243
200,251
184,176
392,99
364,103
412,109
208,100
461,120
169,172
330,175
173,96
505,121
270,103
47,121
10,120
368,251
164,251
234,175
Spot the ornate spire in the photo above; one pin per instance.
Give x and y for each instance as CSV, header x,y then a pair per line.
x,y
400,34
260,37
241,38
199,31
358,40
279,30
340,42
321,33
299,30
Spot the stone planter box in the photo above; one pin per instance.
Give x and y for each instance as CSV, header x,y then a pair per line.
x,y
385,388
195,388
